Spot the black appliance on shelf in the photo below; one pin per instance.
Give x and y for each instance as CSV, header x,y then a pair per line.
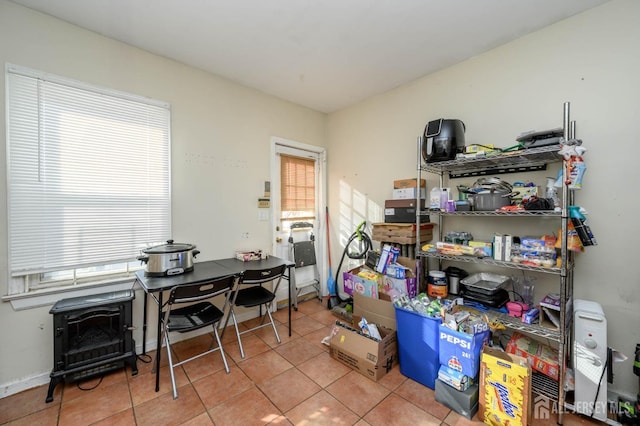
x,y
444,139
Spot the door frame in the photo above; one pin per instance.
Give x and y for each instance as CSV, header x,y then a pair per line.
x,y
278,144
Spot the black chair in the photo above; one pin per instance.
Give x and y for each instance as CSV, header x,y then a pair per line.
x,y
195,316
251,293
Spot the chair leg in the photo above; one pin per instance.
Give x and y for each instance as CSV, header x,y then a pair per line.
x,y
224,358
273,325
173,378
235,323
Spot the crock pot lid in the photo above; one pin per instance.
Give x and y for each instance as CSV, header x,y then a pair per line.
x,y
170,247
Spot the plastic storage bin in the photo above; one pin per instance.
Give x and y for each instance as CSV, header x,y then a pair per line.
x,y
418,345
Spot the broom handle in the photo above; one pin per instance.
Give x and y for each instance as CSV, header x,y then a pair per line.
x,y
328,243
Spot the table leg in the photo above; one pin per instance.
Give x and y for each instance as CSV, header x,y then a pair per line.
x,y
159,343
144,324
289,279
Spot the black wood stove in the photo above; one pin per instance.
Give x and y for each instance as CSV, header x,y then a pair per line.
x,y
91,336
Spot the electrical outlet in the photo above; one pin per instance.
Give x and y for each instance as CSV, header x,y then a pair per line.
x,y
244,235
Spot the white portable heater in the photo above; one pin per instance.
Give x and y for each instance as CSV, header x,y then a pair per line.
x,y
590,359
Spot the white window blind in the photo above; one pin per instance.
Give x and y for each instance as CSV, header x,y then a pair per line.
x,y
88,173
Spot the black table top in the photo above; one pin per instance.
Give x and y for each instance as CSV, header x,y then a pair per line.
x,y
206,271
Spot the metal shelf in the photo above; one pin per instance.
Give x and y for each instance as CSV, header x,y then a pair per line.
x,y
524,160
507,162
544,385
524,213
534,329
489,261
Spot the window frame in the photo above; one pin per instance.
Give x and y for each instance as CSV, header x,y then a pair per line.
x,y
36,284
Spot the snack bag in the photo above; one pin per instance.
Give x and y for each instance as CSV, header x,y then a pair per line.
x,y
573,240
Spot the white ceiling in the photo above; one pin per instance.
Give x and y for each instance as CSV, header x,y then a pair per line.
x,y
323,54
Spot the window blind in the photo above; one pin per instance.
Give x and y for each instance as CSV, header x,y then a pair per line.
x,y
298,183
88,173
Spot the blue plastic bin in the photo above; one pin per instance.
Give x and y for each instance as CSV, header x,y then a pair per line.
x,y
418,343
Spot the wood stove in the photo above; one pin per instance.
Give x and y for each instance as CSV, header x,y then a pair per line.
x,y
92,335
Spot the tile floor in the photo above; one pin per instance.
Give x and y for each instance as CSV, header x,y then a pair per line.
x,y
295,382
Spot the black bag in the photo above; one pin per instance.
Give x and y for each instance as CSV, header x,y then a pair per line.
x,y
536,203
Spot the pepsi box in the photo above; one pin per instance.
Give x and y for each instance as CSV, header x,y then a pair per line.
x,y
461,351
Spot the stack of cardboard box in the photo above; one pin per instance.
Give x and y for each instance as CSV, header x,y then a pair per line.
x,y
459,355
403,204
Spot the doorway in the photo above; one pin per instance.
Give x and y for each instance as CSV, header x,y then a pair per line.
x,y
302,200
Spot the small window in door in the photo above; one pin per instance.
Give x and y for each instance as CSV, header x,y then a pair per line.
x,y
297,190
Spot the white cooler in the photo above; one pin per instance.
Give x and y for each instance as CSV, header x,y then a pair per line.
x,y
590,359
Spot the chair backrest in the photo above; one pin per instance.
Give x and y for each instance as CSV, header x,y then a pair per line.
x,y
185,293
259,276
304,254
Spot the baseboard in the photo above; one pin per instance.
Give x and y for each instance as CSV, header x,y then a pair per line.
x,y
282,304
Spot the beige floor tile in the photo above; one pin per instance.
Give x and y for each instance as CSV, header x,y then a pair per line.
x,y
249,408
423,397
206,365
298,350
220,386
305,325
165,410
288,389
28,402
264,366
398,411
323,369
358,393
269,337
46,417
252,345
123,418
142,386
321,409
96,405
312,306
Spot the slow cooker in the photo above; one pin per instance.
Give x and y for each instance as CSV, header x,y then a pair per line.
x,y
168,259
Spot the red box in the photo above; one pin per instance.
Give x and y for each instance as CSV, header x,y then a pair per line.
x,y
541,357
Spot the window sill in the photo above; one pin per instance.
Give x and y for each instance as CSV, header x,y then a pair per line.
x,y
39,298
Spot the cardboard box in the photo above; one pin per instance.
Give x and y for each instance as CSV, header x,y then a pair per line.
x,y
402,233
505,388
408,183
461,351
355,284
247,256
376,311
454,378
403,193
408,285
404,203
483,248
523,193
400,215
541,357
464,403
369,357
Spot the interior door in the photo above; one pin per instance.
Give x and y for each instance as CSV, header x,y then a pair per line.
x,y
284,216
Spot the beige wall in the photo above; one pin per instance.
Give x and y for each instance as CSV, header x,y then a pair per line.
x,y
590,60
221,135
